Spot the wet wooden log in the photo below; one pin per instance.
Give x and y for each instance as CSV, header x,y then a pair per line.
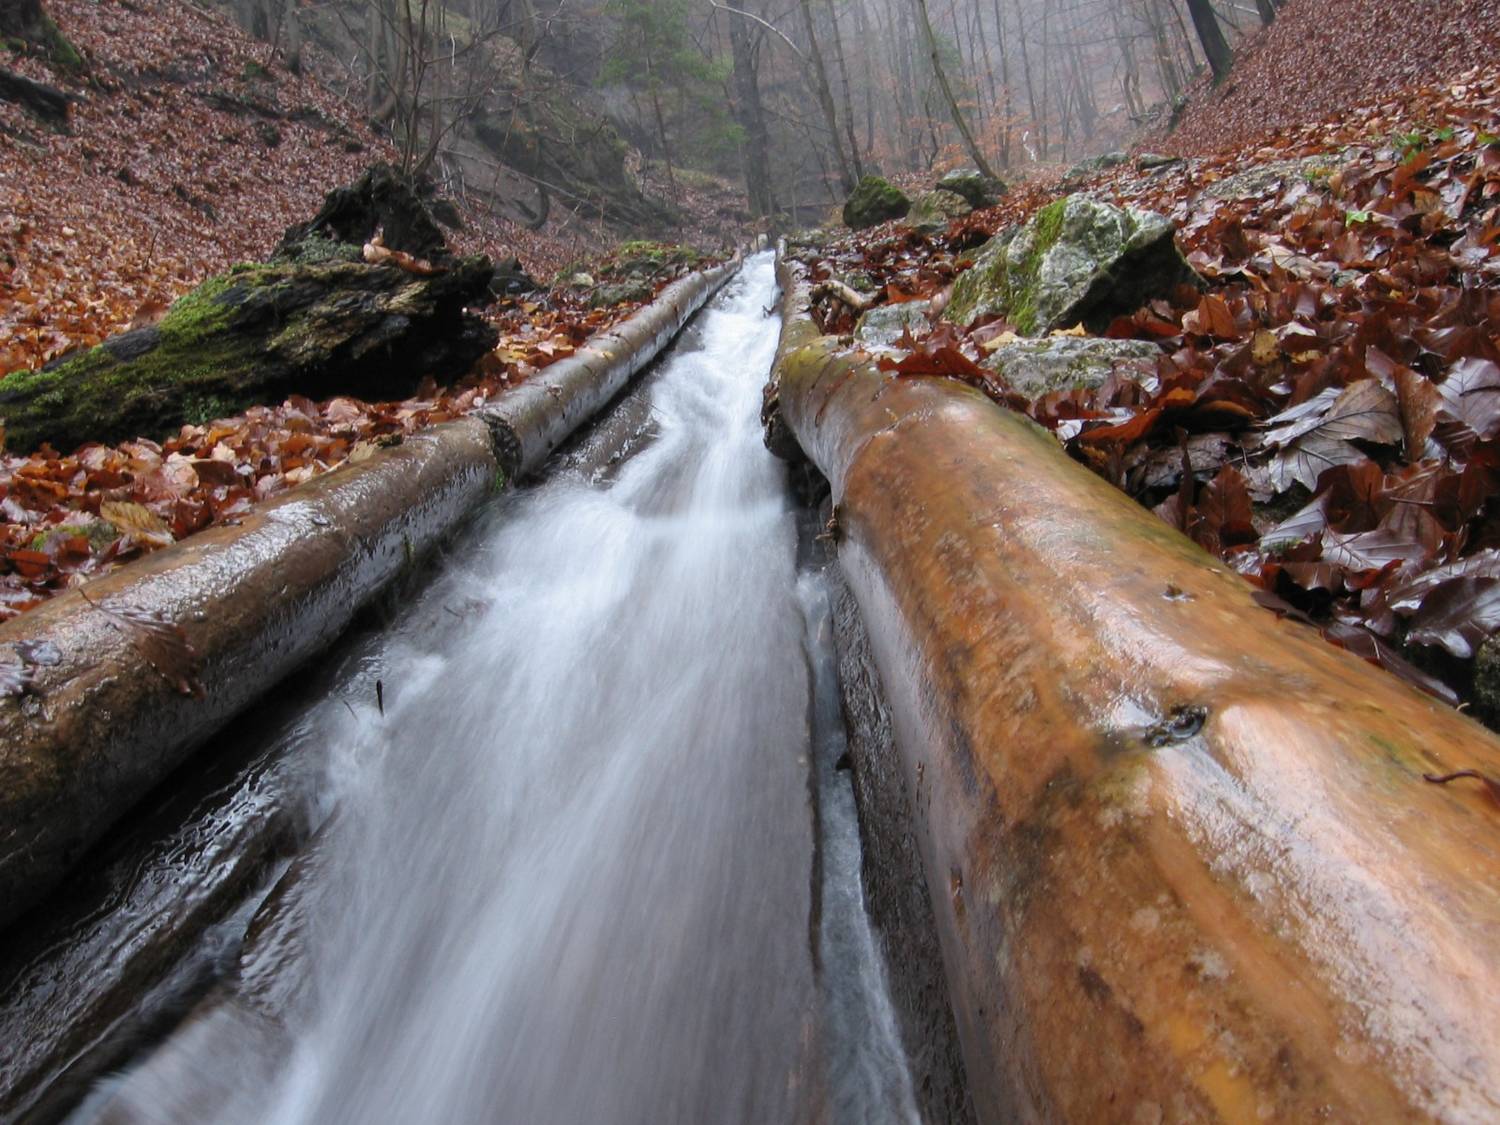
x,y
533,420
100,724
1184,862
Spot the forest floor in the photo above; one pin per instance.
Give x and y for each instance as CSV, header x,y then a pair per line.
x,y
1325,414
189,150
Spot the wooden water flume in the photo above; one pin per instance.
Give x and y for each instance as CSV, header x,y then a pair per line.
x,y
101,726
1183,859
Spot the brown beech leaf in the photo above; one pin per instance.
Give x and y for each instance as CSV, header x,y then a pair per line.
x,y
1369,550
1225,511
139,522
1123,433
1211,318
1471,395
1458,615
1365,644
1418,399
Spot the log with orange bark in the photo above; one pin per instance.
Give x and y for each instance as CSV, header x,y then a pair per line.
x,y
1184,862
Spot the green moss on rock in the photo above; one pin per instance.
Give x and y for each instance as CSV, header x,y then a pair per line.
x,y
1077,260
873,201
975,187
934,210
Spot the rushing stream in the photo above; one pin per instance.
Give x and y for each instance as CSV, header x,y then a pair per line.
x,y
574,875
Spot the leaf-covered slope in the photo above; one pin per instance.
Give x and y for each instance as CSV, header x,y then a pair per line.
x,y
1326,416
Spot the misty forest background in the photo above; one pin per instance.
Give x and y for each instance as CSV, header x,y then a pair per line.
x,y
798,98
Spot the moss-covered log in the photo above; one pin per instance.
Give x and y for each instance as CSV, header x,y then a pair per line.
x,y
1184,861
255,335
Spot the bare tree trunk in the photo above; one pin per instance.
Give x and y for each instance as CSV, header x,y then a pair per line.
x,y
947,91
1220,58
1267,12
752,118
1036,117
838,58
825,96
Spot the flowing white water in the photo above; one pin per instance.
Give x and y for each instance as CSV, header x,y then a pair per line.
x,y
571,877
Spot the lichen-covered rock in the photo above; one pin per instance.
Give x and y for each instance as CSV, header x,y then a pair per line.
x,y
977,188
255,335
1154,161
1263,179
879,328
617,293
1077,260
1092,164
873,201
1067,363
934,210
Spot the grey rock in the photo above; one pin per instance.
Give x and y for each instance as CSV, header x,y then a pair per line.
x,y
620,292
1095,164
1077,260
934,210
1154,161
977,188
874,201
1265,178
879,328
1066,363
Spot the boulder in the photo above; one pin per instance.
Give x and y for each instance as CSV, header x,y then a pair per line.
x,y
619,292
874,201
980,190
879,328
1077,260
256,335
1092,164
1154,161
1067,363
1275,176
934,210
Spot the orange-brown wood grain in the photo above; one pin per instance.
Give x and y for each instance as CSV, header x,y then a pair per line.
x,y
1185,863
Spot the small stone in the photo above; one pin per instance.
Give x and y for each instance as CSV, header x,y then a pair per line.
x,y
879,328
1067,363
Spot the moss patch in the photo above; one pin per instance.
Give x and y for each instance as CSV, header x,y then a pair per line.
x,y
874,201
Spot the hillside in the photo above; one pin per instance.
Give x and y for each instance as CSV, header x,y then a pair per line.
x,y
1322,59
189,148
